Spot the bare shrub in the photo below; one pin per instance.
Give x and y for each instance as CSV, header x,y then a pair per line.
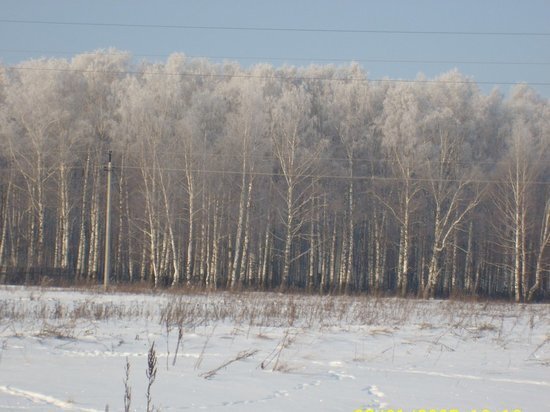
x,y
201,355
275,355
151,374
127,388
61,331
178,343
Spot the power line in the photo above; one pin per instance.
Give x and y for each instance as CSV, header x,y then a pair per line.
x,y
326,176
278,29
272,158
345,159
275,76
282,58
304,176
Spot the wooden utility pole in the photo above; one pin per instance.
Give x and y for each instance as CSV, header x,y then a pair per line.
x,y
107,262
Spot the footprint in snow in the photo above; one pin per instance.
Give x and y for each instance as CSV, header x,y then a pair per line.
x,y
373,390
377,403
340,375
303,386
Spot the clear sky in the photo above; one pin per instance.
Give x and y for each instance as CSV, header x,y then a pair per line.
x,y
20,41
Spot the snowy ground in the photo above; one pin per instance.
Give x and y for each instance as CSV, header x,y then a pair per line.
x,y
67,350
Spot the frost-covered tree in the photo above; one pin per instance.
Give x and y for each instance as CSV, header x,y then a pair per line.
x,y
263,177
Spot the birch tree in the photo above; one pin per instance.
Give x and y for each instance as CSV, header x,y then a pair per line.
x,y
289,130
247,127
453,189
525,164
405,148
350,112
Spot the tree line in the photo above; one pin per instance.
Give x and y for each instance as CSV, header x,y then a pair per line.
x,y
294,178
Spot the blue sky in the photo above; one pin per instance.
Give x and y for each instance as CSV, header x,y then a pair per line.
x,y
20,41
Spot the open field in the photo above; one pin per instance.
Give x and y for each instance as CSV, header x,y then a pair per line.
x,y
68,350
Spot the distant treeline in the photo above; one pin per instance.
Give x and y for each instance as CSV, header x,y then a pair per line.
x,y
312,179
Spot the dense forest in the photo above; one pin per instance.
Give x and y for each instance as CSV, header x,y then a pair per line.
x,y
293,178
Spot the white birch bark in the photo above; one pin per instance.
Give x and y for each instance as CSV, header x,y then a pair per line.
x,y
332,259
246,240
266,254
238,235
4,223
351,231
93,251
64,228
82,241
191,227
170,231
543,246
149,182
452,203
343,260
468,263
40,213
313,249
213,269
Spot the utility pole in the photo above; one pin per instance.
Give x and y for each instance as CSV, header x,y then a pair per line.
x,y
107,263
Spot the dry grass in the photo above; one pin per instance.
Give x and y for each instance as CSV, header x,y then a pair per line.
x,y
240,356
280,318
247,311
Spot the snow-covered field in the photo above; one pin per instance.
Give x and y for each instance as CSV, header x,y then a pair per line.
x,y
67,350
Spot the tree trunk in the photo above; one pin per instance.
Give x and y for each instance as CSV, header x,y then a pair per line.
x,y
93,252
517,254
454,268
63,219
289,236
266,259
40,214
544,243
82,241
332,259
379,250
246,241
351,229
149,181
4,223
170,234
342,272
191,228
233,281
212,282
468,261
311,275
129,232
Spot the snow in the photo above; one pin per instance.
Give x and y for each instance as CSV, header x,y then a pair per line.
x,y
67,350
